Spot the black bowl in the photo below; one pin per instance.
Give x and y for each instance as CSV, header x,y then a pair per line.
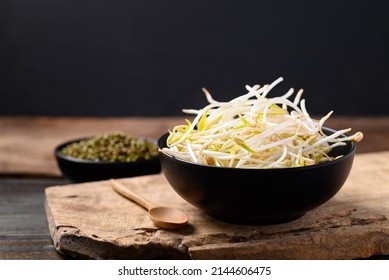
x,y
257,196
80,170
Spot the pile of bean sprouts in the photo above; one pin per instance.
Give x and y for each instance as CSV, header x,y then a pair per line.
x,y
254,131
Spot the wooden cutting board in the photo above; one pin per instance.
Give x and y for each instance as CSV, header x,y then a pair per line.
x,y
90,221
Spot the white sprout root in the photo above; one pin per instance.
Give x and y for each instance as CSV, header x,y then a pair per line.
x,y
254,131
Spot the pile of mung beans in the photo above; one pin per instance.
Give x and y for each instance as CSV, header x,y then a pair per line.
x,y
113,147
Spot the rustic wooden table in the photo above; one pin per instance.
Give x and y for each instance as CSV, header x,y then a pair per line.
x,y
27,167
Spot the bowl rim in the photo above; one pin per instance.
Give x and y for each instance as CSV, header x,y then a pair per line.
x,y
58,154
350,153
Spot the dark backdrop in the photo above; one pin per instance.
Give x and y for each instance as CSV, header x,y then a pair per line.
x,y
149,58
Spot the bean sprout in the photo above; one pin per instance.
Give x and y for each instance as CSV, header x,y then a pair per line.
x,y
254,131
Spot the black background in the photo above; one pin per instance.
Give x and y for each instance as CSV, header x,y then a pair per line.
x,y
151,58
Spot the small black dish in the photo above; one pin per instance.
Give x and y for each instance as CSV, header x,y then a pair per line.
x,y
80,170
257,196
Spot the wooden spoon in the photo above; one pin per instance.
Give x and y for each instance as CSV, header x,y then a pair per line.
x,y
163,217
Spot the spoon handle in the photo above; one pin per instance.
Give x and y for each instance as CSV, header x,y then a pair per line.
x,y
121,189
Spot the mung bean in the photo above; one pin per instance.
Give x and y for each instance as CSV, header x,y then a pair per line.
x,y
113,147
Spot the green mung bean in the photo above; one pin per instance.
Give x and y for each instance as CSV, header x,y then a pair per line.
x,y
113,147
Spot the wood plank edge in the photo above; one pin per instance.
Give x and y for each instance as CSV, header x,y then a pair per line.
x,y
303,247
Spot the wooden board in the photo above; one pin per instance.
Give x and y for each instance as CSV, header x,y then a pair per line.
x,y
91,221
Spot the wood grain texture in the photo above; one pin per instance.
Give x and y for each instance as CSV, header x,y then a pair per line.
x,y
27,144
91,221
24,232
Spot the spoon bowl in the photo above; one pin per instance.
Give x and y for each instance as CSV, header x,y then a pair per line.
x,y
161,216
168,218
